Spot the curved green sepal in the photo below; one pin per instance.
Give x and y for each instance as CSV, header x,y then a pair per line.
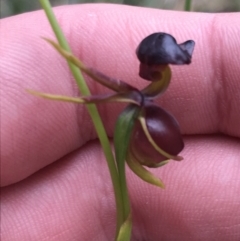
x,y
113,84
143,173
123,130
122,135
160,164
158,87
130,97
57,97
125,230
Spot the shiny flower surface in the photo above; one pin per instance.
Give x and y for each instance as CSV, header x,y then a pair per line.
x,y
165,132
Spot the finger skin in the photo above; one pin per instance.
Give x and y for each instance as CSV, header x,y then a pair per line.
x,y
204,96
72,199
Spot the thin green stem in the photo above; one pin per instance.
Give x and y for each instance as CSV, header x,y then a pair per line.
x,y
92,111
187,6
125,196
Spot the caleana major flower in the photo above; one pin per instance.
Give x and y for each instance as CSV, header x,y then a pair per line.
x,y
145,134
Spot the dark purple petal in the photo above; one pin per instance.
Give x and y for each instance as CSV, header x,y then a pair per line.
x,y
188,47
162,48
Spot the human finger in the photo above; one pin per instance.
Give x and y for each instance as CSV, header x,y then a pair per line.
x,y
204,96
73,198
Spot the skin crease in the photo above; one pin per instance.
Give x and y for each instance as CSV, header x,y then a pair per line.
x,y
72,198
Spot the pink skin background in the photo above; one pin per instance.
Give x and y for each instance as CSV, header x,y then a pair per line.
x,y
54,178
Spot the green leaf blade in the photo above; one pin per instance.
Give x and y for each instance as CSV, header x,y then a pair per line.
x,y
123,130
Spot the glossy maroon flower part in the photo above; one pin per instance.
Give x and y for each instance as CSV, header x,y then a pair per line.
x,y
165,132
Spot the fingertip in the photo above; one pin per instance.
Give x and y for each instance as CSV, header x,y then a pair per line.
x,y
105,37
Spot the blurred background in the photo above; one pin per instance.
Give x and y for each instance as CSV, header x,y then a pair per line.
x,y
13,7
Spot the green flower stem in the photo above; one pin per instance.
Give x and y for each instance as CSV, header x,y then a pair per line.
x,y
92,111
187,6
125,196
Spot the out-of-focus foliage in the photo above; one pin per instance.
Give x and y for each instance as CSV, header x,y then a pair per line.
x,y
13,7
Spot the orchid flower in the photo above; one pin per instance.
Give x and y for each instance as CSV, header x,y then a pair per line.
x,y
145,133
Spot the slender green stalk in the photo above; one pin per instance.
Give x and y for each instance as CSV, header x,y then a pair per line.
x,y
187,6
92,111
125,196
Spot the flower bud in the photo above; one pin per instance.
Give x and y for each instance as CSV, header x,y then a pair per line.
x,y
164,131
